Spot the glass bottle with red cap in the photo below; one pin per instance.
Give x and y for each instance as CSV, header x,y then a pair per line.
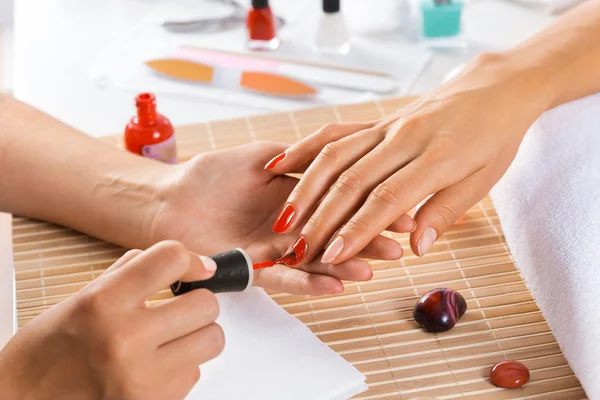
x,y
149,133
262,29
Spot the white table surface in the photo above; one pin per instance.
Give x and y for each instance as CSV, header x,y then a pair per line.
x,y
56,40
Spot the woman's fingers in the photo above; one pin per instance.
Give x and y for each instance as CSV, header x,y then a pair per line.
x,y
193,349
445,207
157,268
330,162
183,315
308,148
381,248
348,194
295,281
386,203
404,224
352,270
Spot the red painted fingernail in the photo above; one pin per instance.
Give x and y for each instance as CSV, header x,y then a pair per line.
x,y
300,248
274,161
296,253
284,219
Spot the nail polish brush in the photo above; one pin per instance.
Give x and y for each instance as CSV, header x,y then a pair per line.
x,y
235,270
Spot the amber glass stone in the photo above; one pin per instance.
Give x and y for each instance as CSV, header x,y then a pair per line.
x,y
509,374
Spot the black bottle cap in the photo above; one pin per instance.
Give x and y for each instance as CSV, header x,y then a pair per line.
x,y
260,3
331,6
234,274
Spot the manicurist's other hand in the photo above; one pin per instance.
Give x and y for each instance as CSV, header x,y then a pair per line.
x,y
105,343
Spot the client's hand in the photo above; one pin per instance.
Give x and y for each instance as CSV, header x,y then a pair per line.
x,y
226,199
454,143
104,343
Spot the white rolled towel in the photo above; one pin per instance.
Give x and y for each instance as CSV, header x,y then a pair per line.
x,y
549,206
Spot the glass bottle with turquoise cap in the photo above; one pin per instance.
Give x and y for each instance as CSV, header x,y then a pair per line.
x,y
442,26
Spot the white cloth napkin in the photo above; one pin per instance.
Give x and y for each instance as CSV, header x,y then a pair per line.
x,y
271,355
549,206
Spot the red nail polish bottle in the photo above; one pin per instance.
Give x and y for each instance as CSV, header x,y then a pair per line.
x,y
262,32
149,133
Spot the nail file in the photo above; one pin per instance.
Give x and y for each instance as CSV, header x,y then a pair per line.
x,y
321,74
227,77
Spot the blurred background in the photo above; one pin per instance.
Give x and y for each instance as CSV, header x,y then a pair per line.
x,y
83,61
6,44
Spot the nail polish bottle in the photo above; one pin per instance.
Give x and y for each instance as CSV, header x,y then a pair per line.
x,y
442,24
262,29
332,34
149,133
234,274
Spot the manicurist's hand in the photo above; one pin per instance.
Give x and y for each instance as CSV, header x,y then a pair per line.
x,y
212,203
104,343
226,199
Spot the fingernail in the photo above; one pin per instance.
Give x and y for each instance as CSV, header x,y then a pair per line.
x,y
339,289
284,219
414,226
333,250
271,164
426,241
295,254
209,264
300,248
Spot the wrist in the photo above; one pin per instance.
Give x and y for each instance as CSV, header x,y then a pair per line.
x,y
535,76
181,199
133,197
507,84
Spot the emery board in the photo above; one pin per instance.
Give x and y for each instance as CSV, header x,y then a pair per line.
x,y
370,324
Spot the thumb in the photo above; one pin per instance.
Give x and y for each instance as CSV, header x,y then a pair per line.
x,y
201,271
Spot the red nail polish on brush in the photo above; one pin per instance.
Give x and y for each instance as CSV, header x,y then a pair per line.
x,y
149,133
284,219
263,264
262,32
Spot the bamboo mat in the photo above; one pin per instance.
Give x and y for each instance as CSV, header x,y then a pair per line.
x,y
370,324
